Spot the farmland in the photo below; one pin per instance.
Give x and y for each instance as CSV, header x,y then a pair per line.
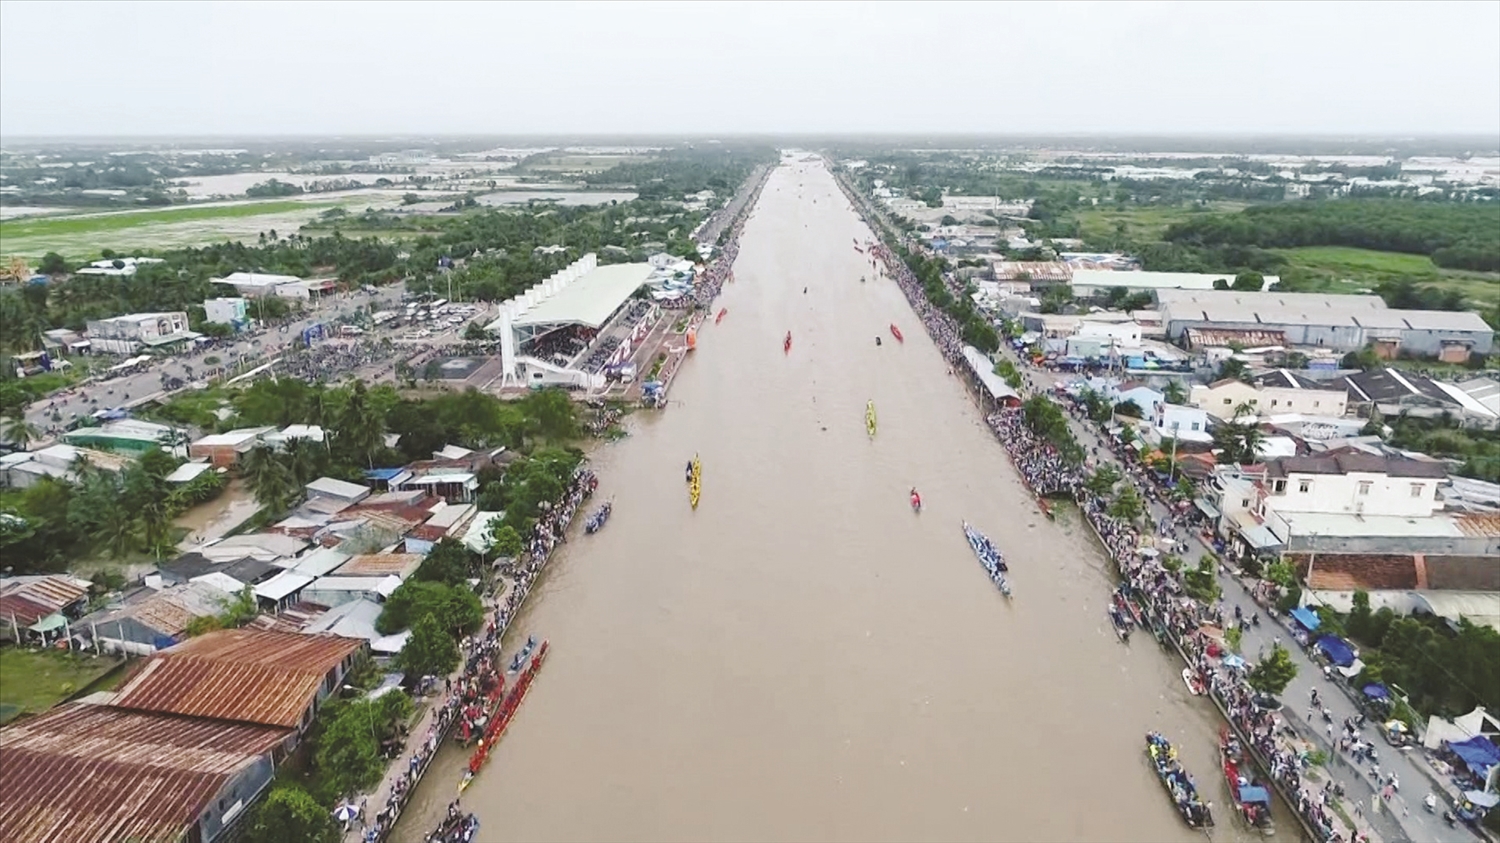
x,y
1339,269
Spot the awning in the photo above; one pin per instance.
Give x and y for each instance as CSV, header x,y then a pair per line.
x,y
1377,691
1254,793
49,623
1260,537
1307,617
1478,753
1337,650
1482,799
1206,508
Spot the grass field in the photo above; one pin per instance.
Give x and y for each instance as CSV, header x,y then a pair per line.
x,y
1140,222
81,237
1345,270
34,681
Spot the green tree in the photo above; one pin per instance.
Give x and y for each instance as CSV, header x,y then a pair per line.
x,y
348,756
1127,505
291,813
1234,368
475,332
505,542
448,562
1103,481
1202,583
1248,281
457,608
53,264
1174,393
359,431
1184,490
1274,672
18,431
428,651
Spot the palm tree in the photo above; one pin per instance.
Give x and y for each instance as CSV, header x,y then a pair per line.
x,y
1174,393
269,479
18,431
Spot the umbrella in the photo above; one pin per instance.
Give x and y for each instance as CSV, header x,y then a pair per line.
x,y
345,812
1232,660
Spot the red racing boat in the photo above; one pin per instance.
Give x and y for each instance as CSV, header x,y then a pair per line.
x,y
720,317
786,345
896,332
1252,799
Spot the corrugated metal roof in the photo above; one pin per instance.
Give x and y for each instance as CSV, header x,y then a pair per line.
x,y
1482,524
31,601
249,675
379,565
92,772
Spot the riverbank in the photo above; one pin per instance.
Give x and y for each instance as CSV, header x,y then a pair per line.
x,y
1160,591
503,602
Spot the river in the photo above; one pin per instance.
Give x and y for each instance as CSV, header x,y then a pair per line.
x,y
803,658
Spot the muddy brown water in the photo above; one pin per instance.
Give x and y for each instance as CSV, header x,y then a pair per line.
x,y
803,658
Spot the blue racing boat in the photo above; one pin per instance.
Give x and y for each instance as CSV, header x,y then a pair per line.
x,y
989,557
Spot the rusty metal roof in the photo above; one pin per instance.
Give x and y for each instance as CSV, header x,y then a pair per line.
x,y
379,565
94,772
35,599
251,675
1482,524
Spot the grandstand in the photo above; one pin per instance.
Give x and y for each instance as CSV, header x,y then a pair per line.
x,y
566,330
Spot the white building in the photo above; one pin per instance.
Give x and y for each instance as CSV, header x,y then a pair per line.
x,y
1089,282
1122,334
256,284
137,331
224,311
1221,398
116,267
1354,483
1174,421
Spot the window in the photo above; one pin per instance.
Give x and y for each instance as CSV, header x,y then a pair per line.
x,y
1364,487
1253,401
1304,486
1278,487
1195,425
1416,489
1317,403
1273,402
1228,401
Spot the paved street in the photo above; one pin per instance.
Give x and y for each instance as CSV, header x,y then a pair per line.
x,y
1404,819
257,347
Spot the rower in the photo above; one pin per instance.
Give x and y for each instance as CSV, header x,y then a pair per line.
x,y
877,340
804,291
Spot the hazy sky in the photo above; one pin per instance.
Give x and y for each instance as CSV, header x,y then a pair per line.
x,y
135,68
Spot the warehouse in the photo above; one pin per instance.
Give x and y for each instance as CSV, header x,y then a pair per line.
x,y
1334,322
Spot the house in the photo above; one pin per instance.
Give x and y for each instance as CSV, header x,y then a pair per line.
x,y
336,591
126,335
98,772
1335,322
131,437
446,520
1144,397
379,565
1393,392
23,469
233,576
328,487
246,676
275,548
40,604
1039,273
256,284
277,439
224,450
226,311
1222,398
356,619
1484,391
147,620
1187,424
1450,587
116,267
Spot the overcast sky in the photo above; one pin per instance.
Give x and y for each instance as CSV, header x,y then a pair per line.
x,y
137,68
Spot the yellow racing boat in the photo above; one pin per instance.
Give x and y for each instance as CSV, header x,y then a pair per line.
x,y
870,418
695,482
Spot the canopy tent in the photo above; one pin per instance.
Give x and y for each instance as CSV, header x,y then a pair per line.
x,y
1254,793
1376,691
49,623
1337,650
1482,799
1307,617
1478,753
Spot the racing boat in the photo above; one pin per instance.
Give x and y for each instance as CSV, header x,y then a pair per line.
x,y
720,317
695,482
1193,683
989,557
870,418
1195,812
596,521
1121,623
786,345
498,724
896,332
1252,799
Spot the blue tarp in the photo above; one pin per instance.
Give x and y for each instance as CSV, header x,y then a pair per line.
x,y
1254,793
1376,691
1337,650
382,473
1307,617
1478,753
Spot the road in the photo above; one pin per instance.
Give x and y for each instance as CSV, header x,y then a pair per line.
x,y
257,346
1405,819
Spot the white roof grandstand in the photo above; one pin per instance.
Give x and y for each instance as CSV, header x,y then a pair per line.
x,y
590,299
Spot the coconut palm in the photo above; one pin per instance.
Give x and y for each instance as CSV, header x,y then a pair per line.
x,y
18,431
272,483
